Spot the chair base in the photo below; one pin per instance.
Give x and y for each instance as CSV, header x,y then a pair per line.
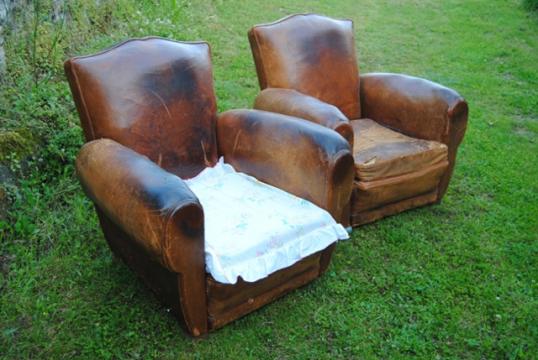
x,y
368,216
373,200
225,302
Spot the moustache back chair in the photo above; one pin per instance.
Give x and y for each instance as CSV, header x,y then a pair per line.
x,y
404,131
148,112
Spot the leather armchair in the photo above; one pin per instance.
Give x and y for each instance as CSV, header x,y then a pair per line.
x,y
404,131
148,112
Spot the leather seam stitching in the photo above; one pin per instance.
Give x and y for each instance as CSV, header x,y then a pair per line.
x,y
285,18
83,101
146,38
260,58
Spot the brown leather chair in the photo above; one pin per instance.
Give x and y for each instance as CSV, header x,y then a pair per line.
x,y
404,131
148,111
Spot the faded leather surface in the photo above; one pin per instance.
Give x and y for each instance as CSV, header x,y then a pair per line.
x,y
152,205
367,216
294,103
168,96
225,300
312,54
380,152
373,194
415,107
305,159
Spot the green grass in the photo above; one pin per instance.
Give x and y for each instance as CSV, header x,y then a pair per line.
x,y
531,4
455,280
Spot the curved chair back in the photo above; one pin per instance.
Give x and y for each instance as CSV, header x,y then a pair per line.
x,y
152,95
312,54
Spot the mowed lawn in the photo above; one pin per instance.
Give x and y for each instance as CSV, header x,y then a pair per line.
x,y
454,280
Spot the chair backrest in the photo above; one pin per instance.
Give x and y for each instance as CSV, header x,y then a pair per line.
x,y
312,54
152,95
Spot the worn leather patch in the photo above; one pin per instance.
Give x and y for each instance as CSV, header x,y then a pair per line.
x,y
381,153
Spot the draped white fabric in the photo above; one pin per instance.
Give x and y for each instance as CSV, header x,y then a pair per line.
x,y
253,229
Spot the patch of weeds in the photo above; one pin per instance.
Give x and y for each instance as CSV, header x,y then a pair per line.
x,y
17,143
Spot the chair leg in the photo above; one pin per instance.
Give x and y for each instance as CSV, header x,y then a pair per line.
x,y
325,259
192,296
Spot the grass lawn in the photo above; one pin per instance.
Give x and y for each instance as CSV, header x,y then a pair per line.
x,y
455,280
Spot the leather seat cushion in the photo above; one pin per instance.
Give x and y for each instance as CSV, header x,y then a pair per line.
x,y
382,153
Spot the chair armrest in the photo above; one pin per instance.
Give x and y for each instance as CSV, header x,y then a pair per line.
x,y
154,207
414,106
300,157
294,103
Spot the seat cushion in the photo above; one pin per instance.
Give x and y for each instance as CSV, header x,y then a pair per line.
x,y
253,229
381,153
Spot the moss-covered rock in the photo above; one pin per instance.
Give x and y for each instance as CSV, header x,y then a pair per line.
x,y
18,143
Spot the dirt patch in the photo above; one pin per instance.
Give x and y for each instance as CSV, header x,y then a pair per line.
x,y
523,132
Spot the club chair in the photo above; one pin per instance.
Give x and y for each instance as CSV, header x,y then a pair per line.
x,y
214,239
404,131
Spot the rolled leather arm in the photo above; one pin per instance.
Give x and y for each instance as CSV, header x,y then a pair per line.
x,y
154,207
414,106
293,103
300,157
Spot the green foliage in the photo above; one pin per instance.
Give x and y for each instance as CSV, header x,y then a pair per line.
x,y
455,280
531,4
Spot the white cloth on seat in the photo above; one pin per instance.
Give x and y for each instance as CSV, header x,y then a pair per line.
x,y
253,229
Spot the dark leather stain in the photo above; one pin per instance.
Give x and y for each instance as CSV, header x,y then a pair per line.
x,y
160,197
169,84
330,42
192,223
